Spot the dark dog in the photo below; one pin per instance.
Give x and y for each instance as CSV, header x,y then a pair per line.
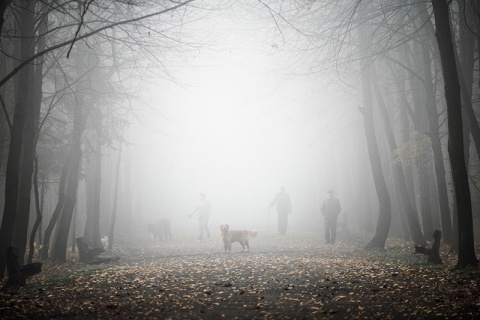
x,y
231,236
161,230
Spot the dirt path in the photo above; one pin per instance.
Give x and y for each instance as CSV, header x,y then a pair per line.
x,y
296,277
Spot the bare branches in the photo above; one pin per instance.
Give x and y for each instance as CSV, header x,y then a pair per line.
x,y
88,34
273,17
85,9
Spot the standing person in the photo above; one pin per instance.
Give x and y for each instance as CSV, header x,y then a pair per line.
x,y
284,208
203,210
330,210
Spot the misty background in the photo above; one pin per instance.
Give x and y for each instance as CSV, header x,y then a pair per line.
x,y
241,118
122,112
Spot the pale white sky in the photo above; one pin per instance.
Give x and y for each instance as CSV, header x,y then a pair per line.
x,y
237,128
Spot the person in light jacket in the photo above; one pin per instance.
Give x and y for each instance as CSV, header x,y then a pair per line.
x,y
202,209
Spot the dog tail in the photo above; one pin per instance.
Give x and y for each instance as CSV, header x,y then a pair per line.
x,y
252,233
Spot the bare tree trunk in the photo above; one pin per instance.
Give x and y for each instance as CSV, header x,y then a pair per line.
x,y
420,121
71,175
21,118
399,176
424,191
42,203
127,195
74,226
92,226
30,130
7,109
115,200
465,67
406,110
466,249
434,128
60,241
37,101
385,215
38,210
404,124
80,113
44,253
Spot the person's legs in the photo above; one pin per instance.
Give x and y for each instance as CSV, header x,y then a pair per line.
x,y
282,223
200,224
327,230
279,223
334,230
205,225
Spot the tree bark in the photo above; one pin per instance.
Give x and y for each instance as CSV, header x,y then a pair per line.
x,y
22,117
399,176
74,226
421,160
466,250
465,67
38,210
420,121
94,181
434,128
115,200
37,102
3,7
44,253
60,241
385,214
127,195
404,125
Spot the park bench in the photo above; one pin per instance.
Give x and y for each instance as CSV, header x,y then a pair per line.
x,y
433,253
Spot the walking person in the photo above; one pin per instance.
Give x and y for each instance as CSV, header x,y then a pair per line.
x,y
330,209
203,211
284,208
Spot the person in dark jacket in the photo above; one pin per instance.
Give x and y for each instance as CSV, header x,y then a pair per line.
x,y
284,208
330,209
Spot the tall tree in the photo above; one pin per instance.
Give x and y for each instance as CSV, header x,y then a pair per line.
x,y
94,186
18,172
113,219
398,173
37,101
59,249
433,123
385,214
466,250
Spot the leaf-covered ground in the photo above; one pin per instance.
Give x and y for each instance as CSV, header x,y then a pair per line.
x,y
293,277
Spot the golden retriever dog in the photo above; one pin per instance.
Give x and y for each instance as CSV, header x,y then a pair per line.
x,y
231,236
161,230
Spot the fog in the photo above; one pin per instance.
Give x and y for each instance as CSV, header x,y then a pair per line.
x,y
241,119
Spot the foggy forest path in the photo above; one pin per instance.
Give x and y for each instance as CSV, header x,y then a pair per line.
x,y
297,276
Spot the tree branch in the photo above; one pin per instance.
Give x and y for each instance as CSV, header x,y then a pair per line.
x,y
41,53
85,10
